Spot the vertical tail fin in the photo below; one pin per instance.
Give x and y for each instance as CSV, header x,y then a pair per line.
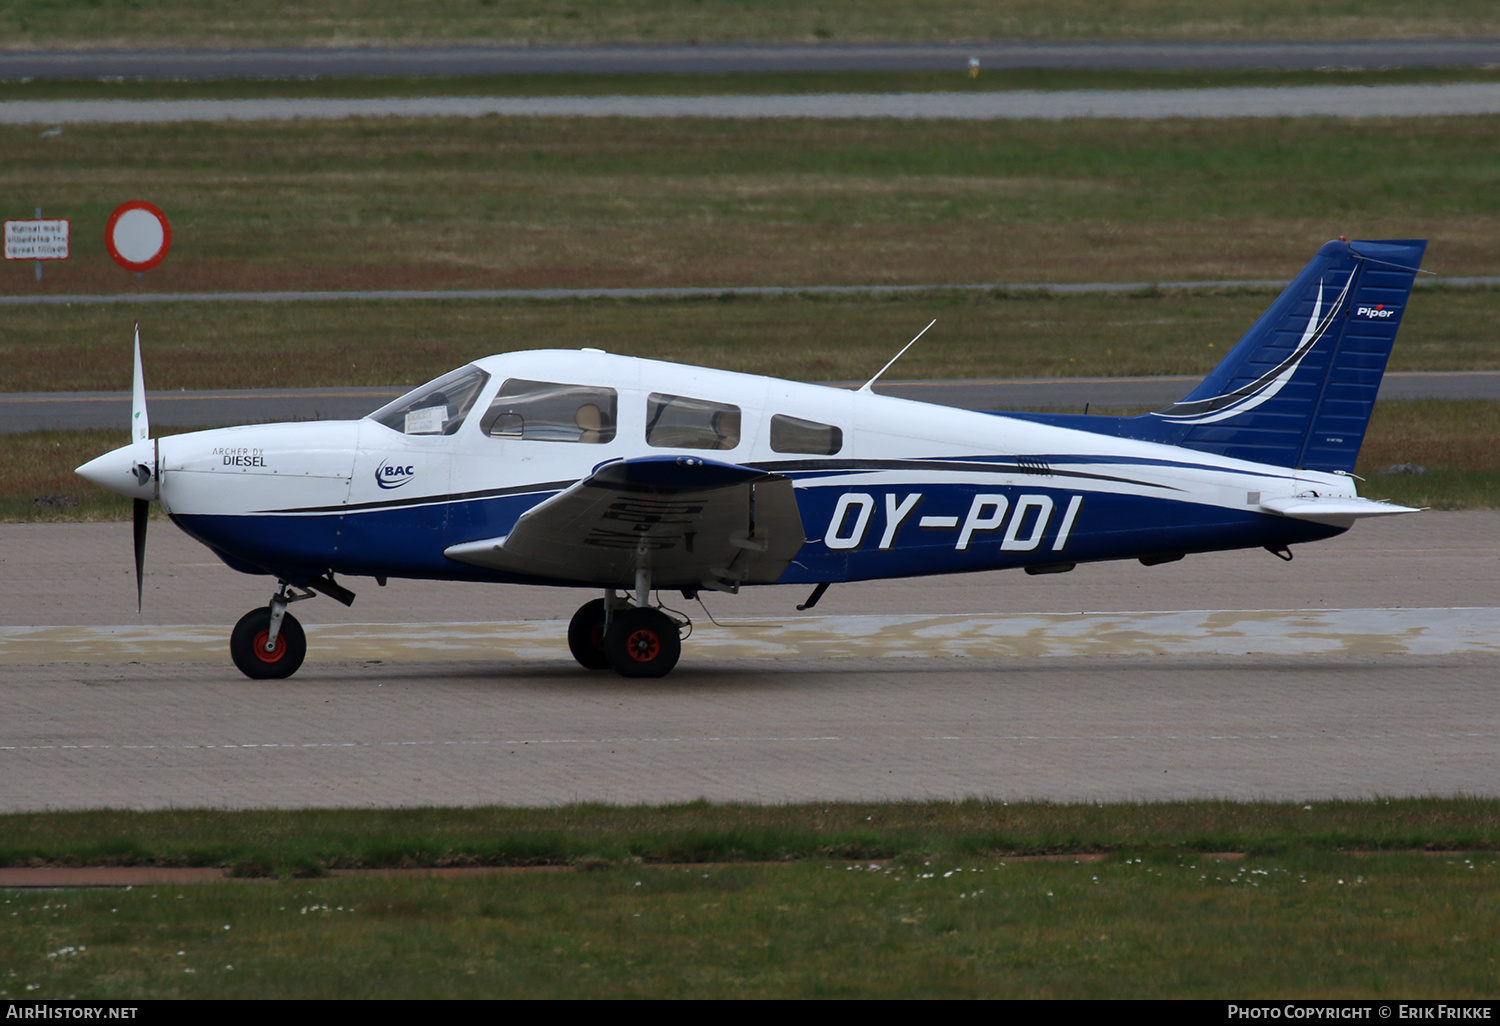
x,y
1298,389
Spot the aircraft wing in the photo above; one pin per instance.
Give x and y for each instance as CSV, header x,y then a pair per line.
x,y
1337,511
693,522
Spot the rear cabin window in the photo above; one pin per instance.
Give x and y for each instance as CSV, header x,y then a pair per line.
x,y
551,411
679,422
792,434
438,407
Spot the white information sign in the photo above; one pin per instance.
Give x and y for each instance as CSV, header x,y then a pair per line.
x,y
36,239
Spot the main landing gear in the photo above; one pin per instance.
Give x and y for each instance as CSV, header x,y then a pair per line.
x,y
633,640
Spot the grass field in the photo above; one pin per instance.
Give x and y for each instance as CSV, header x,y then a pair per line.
x,y
323,22
523,202
308,345
1180,926
1332,900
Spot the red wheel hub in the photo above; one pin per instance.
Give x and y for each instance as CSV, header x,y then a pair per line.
x,y
643,645
259,648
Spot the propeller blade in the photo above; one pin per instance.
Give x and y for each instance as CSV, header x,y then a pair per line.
x,y
142,513
140,426
140,431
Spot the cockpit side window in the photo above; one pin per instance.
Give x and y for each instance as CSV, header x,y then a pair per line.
x,y
678,422
550,411
792,434
438,407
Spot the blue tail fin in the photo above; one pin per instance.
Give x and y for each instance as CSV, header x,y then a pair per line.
x,y
1298,389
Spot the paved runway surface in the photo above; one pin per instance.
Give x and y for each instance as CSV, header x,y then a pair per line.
x,y
1383,682
1460,99
721,59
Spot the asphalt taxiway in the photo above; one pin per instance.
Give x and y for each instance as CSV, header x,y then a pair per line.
x,y
1367,666
1384,101
634,59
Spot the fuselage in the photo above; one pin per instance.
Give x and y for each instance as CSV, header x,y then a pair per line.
x,y
885,487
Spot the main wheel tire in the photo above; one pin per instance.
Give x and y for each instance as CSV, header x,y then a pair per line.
x,y
642,643
586,636
247,645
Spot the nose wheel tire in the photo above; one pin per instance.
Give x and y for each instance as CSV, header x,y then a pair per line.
x,y
586,636
642,643
247,645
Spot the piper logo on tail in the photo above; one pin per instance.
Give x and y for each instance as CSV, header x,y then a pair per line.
x,y
1378,312
393,475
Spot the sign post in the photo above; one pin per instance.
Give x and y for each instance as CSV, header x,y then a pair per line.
x,y
37,240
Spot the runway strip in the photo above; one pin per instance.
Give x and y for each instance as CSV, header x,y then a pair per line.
x,y
722,58
988,684
1360,632
1467,98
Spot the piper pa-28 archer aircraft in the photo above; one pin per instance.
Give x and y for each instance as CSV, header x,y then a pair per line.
x,y
566,467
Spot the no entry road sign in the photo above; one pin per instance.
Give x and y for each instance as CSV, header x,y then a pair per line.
x,y
137,236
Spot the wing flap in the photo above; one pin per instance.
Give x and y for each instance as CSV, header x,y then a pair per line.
x,y
692,522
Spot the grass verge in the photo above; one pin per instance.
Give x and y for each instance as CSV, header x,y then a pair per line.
x,y
290,843
808,338
364,22
1453,443
947,912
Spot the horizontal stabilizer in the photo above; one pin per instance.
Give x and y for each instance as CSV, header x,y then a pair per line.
x,y
1337,511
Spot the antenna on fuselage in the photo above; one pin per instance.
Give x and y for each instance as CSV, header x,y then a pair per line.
x,y
866,386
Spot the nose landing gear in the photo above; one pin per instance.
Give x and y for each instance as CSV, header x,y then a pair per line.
x,y
268,643
261,656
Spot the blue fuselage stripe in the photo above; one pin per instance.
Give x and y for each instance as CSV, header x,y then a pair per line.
x,y
951,528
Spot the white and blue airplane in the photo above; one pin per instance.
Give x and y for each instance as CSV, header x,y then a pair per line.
x,y
577,467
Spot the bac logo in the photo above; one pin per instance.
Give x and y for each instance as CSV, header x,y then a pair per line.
x,y
393,475
1378,312
1025,524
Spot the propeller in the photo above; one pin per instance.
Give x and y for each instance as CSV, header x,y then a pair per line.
x,y
140,431
133,470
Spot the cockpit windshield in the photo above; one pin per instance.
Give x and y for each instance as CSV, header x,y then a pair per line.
x,y
438,407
